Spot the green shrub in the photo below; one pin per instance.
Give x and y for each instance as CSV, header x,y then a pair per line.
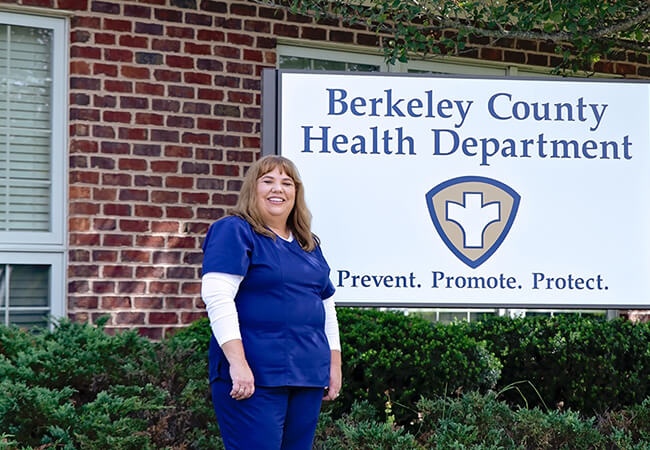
x,y
574,362
389,355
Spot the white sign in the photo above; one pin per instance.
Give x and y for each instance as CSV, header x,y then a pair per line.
x,y
475,192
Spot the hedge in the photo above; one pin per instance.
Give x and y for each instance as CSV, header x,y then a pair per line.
x,y
407,384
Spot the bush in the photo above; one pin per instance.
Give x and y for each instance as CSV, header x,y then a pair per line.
x,y
574,362
77,387
407,384
390,356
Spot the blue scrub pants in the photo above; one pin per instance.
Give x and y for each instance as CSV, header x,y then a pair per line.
x,y
275,418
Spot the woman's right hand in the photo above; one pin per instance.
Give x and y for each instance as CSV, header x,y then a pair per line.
x,y
243,382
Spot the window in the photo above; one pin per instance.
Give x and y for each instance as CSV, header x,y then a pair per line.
x,y
305,58
32,168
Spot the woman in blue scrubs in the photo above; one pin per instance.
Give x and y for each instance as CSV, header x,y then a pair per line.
x,y
275,350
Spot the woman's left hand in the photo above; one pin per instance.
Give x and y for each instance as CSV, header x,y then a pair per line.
x,y
336,377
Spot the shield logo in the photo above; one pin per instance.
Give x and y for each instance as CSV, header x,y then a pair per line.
x,y
473,216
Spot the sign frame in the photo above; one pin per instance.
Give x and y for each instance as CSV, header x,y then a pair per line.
x,y
271,135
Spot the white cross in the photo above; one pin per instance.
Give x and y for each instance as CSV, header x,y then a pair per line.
x,y
473,217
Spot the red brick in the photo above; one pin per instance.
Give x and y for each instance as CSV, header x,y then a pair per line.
x,y
132,164
138,134
105,69
141,73
197,78
105,38
137,11
134,225
181,242
164,197
211,154
147,302
117,272
245,69
167,318
118,86
164,135
115,147
178,151
163,287
149,119
79,192
179,182
168,15
226,140
196,138
117,25
210,124
78,287
224,169
150,241
84,114
101,162
180,91
180,122
231,82
178,303
224,199
240,97
117,179
180,32
167,75
189,317
85,22
164,227
198,19
492,54
240,156
104,101
196,49
104,256
79,5
251,142
78,176
83,302
179,212
144,180
104,193
84,208
135,256
210,35
116,302
134,41
240,39
253,55
164,166
148,211
210,94
114,54
83,239
86,84
130,318
281,29
119,209
165,105
104,224
78,161
183,62
117,116
79,68
226,51
257,26
131,287
149,88
84,271
103,287
165,45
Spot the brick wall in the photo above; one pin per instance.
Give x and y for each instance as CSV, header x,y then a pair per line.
x,y
164,117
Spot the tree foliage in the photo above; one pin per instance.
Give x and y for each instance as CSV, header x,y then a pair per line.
x,y
581,31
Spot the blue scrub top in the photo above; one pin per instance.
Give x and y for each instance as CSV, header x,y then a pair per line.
x,y
279,305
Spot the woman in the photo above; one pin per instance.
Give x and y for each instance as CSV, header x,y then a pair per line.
x,y
275,350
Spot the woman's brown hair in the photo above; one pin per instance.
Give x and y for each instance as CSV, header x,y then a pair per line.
x,y
299,220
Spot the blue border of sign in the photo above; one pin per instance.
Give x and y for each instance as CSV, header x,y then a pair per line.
x,y
506,229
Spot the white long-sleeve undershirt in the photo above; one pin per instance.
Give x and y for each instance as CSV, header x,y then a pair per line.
x,y
218,291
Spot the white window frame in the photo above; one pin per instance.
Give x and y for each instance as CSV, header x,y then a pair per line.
x,y
46,247
17,240
56,261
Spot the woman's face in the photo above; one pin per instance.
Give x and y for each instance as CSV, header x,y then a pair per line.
x,y
276,195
